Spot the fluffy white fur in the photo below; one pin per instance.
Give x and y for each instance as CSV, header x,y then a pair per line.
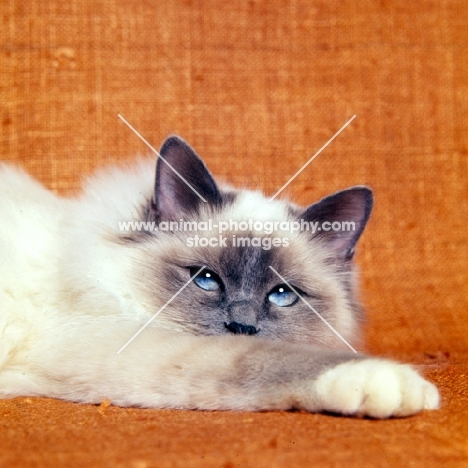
x,y
375,388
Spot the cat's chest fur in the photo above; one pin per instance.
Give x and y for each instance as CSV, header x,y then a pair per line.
x,y
252,303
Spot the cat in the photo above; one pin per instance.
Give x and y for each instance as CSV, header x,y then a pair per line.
x,y
166,317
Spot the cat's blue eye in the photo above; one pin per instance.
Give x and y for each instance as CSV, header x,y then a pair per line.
x,y
206,279
283,296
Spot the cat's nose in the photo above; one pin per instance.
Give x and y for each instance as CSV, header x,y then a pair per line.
x,y
242,317
240,328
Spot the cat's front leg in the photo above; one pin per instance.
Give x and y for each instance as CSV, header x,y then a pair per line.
x,y
80,362
273,375
241,373
375,388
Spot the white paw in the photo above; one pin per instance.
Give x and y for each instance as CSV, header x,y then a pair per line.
x,y
375,388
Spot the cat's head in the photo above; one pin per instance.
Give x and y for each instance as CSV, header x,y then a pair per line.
x,y
270,268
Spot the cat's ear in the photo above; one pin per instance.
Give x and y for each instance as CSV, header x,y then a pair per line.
x,y
341,218
182,182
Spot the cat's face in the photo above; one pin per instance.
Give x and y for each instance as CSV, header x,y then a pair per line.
x,y
263,273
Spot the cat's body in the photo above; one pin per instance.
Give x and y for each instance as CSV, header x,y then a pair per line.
x,y
75,287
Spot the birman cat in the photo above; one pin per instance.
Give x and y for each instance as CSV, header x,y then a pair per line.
x,y
179,293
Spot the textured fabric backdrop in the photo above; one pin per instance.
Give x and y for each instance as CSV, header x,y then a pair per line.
x,y
257,87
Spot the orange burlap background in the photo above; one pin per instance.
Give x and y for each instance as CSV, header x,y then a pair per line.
x,y
257,87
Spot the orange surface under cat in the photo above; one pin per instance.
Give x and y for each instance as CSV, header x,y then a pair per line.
x,y
257,88
43,432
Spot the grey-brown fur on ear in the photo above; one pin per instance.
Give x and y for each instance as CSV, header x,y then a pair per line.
x,y
182,182
351,208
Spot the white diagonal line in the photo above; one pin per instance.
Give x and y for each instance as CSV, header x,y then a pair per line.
x,y
159,311
157,153
312,158
315,312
